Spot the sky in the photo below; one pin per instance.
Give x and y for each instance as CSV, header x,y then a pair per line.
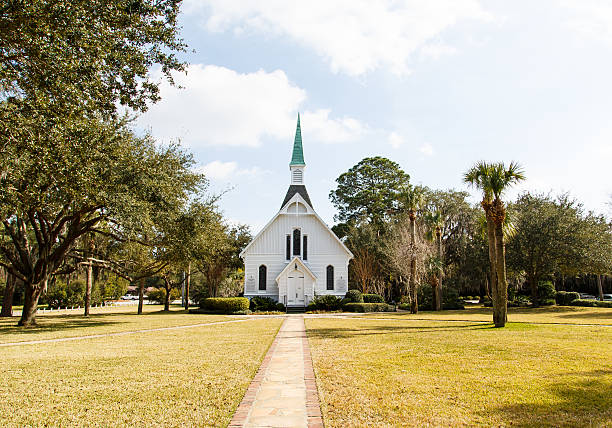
x,y
433,85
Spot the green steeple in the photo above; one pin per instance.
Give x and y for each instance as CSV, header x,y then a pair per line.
x,y
298,153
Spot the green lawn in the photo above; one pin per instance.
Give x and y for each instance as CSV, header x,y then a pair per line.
x,y
549,315
184,377
404,372
68,324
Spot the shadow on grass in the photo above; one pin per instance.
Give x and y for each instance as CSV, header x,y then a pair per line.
x,y
51,323
584,402
345,332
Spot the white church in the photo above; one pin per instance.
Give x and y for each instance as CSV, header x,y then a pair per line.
x,y
296,255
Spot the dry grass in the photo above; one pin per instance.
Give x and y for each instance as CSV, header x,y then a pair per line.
x,y
434,373
548,315
69,324
190,377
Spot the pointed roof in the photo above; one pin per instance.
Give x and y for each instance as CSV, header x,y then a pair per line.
x,y
296,188
298,154
293,264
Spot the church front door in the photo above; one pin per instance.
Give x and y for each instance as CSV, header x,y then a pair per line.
x,y
295,289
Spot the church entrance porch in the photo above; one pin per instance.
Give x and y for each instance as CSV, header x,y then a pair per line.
x,y
296,284
295,289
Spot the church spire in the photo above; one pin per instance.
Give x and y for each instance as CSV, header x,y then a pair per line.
x,y
298,154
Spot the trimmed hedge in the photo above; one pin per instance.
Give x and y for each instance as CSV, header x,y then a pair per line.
x,y
226,305
262,304
373,298
565,298
353,296
591,303
366,307
327,302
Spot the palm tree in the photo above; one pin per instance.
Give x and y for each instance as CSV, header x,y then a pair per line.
x,y
493,179
435,221
412,200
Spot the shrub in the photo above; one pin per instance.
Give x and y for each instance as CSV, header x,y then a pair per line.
x,y
591,303
61,295
326,302
547,302
158,295
565,298
366,307
226,305
354,296
546,290
262,304
373,298
519,301
280,307
450,299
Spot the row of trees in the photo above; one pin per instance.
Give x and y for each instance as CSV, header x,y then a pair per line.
x,y
405,236
78,188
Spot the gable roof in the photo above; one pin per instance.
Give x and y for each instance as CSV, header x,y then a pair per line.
x,y
293,189
296,260
300,199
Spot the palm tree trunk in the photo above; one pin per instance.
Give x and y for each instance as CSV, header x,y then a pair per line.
x,y
438,295
414,304
500,304
7,301
491,235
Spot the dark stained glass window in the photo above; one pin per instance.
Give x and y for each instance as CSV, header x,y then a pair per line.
x,y
297,237
305,249
288,249
330,277
263,277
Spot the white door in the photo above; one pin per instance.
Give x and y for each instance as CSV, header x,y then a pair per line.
x,y
295,289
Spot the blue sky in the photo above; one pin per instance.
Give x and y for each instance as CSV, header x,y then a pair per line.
x,y
434,86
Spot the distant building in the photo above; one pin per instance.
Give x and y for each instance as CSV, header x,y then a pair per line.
x,y
296,256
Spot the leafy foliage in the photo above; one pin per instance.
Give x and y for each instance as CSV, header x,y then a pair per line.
x,y
226,305
369,191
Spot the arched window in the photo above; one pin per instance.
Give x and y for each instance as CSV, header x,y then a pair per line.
x,y
263,277
297,237
330,277
305,249
288,248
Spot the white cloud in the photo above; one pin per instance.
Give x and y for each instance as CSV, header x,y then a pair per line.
x,y
221,107
319,127
222,171
354,36
427,149
591,18
396,140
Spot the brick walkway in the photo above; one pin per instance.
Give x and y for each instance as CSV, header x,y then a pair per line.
x,y
284,392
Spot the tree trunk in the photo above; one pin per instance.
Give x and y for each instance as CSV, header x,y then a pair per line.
x,y
491,235
141,285
438,294
7,301
30,305
167,297
533,284
88,287
187,283
414,304
500,305
600,288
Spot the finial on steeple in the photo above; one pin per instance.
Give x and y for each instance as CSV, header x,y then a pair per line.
x,y
298,154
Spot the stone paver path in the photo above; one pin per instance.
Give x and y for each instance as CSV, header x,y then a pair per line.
x,y
284,392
